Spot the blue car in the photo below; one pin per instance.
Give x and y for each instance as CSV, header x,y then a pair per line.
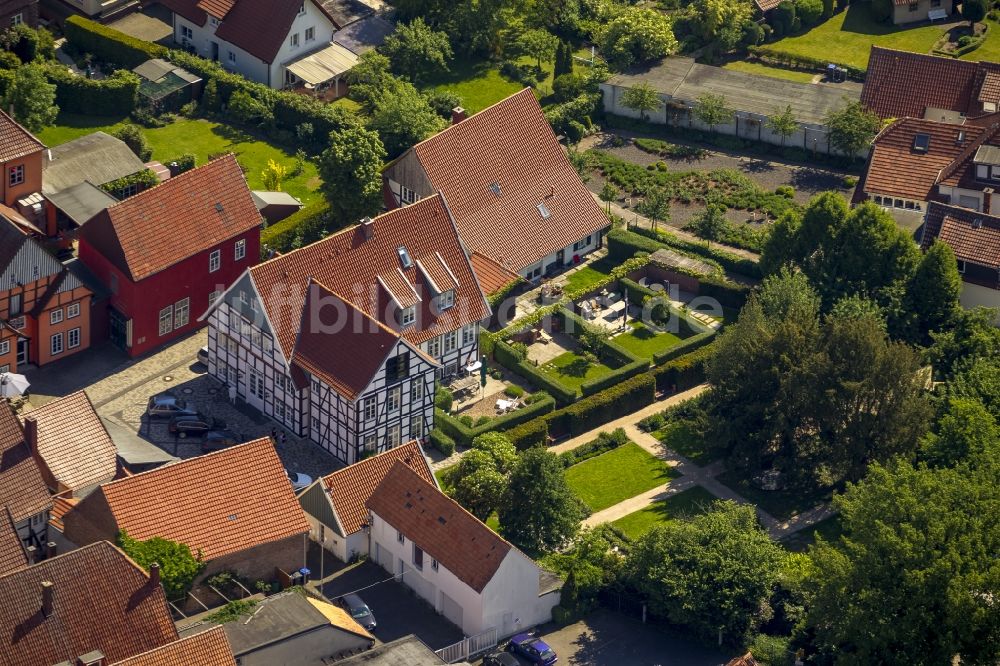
x,y
535,650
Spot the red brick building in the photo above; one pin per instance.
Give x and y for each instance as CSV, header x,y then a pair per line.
x,y
167,253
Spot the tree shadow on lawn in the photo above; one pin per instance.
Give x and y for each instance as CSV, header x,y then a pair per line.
x,y
235,134
756,166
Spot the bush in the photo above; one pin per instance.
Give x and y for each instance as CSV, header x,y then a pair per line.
x,y
606,441
514,391
136,141
442,442
185,162
850,181
528,435
786,191
301,227
809,11
114,95
608,405
109,45
443,399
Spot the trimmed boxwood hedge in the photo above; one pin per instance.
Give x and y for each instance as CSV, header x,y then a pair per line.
x,y
623,244
508,358
683,372
596,410
442,442
108,44
686,347
618,375
463,434
307,222
730,294
114,95
528,435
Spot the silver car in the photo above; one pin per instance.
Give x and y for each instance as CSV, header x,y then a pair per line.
x,y
166,406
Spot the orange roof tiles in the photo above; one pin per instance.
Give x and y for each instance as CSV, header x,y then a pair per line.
x,y
900,83
973,236
339,617
349,263
217,8
73,442
437,273
209,648
22,488
15,141
219,503
349,488
439,526
511,145
12,553
177,219
398,288
492,276
101,601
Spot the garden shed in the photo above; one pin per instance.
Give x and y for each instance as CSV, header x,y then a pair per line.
x,y
165,85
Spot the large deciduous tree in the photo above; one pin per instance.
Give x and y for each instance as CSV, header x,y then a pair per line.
x,y
351,169
636,36
479,479
933,293
403,117
722,22
416,51
539,44
31,98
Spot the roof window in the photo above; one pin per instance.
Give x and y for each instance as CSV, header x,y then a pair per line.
x,y
921,142
495,189
544,211
404,257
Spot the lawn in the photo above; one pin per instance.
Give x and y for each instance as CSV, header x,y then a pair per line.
x,y
617,475
682,437
849,35
573,370
691,502
589,275
480,84
644,342
990,50
773,72
782,504
200,138
830,529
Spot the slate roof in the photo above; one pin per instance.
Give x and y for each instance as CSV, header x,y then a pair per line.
x,y
209,648
98,158
177,219
22,488
73,442
220,503
348,264
102,601
15,141
512,145
12,237
349,488
459,541
973,236
12,553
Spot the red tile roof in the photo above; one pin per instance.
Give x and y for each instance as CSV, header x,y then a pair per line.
x,y
767,5
217,8
349,264
101,601
12,553
349,488
22,488
439,526
177,219
511,145
900,83
15,141
748,658
209,648
73,442
973,236
219,503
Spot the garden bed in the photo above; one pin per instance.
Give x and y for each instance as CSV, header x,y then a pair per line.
x,y
685,504
617,475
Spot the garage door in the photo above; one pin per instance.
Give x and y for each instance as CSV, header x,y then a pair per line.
x,y
451,610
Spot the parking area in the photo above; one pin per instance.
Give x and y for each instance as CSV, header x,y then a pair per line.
x,y
152,23
398,611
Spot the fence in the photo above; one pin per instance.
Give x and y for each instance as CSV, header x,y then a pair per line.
x,y
469,647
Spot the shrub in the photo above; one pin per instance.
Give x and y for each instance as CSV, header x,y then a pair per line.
x,y
305,225
185,162
466,420
850,181
514,391
109,45
606,441
537,396
443,399
809,11
528,435
786,191
134,138
442,442
482,420
114,95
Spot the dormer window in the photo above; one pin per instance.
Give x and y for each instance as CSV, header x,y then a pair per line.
x,y
408,315
302,9
446,299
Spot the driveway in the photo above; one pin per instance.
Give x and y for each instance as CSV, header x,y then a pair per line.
x,y
150,24
398,611
606,638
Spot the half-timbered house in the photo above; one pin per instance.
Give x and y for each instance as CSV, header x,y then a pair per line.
x,y
341,341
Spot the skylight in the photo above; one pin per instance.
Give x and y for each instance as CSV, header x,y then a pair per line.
x,y
921,142
495,188
404,257
544,211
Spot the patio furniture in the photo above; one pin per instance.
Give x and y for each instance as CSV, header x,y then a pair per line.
x,y
544,337
465,385
586,311
503,406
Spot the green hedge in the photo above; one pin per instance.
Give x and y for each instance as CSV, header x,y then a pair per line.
x,y
505,355
686,347
728,260
606,441
110,45
571,320
683,372
730,294
623,244
306,223
463,434
115,95
616,376
442,442
487,343
636,292
600,408
528,435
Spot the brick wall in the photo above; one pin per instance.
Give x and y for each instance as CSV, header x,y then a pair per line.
x,y
259,563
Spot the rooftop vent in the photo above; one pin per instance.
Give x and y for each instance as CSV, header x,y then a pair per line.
x,y
404,257
218,207
921,142
495,188
544,212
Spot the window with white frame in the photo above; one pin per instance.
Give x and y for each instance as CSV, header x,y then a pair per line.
x,y
244,299
256,384
279,410
417,390
468,334
580,244
406,195
256,338
253,305
16,20
213,297
73,338
182,313
232,57
72,310
245,328
434,347
214,261
417,427
241,248
370,408
310,33
392,400
408,316
186,32
294,41
371,442
56,316
166,320
16,175
395,435
446,299
279,382
4,347
231,345
450,341
56,344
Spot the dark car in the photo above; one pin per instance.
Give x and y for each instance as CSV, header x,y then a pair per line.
x,y
193,424
534,649
359,610
500,659
216,440
166,405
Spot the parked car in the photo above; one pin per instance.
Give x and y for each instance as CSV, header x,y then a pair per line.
x,y
203,356
359,610
167,405
299,480
534,649
500,659
216,440
192,424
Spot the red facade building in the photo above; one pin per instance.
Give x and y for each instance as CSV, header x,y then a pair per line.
x,y
168,252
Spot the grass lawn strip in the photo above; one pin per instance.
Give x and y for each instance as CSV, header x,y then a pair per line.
x,y
644,342
617,475
766,70
830,529
688,503
591,274
480,84
568,369
201,138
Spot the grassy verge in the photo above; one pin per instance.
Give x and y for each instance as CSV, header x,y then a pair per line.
x,y
682,505
766,70
644,342
617,475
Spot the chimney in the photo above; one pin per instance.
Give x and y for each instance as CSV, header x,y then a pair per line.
x,y
987,200
48,598
368,224
31,433
32,554
51,549
458,115
154,573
